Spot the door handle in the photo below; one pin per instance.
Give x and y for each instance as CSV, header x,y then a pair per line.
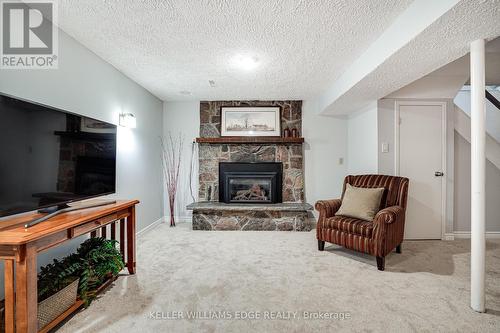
x,y
438,174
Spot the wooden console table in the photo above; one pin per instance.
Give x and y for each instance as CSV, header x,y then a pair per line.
x,y
19,248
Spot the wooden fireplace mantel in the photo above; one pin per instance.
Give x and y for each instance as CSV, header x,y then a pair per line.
x,y
19,247
250,139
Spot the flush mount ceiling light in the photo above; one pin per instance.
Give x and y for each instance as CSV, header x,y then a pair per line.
x,y
245,62
127,120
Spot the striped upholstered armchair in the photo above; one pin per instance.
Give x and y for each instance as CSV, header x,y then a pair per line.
x,y
378,237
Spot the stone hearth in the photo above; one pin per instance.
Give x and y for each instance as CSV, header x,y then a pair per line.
x,y
268,217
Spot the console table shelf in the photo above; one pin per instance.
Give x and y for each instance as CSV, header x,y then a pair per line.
x,y
19,247
250,139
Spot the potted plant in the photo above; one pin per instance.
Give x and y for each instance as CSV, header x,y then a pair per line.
x,y
57,288
78,275
99,260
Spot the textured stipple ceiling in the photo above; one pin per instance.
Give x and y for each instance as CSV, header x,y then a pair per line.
x,y
179,45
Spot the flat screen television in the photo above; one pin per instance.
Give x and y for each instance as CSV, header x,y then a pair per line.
x,y
50,157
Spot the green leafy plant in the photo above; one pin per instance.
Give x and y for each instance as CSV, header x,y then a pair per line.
x,y
100,260
96,260
57,275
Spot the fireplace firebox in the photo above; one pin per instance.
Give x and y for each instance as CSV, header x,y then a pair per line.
x,y
250,182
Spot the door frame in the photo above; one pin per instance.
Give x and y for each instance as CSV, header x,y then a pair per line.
x,y
444,132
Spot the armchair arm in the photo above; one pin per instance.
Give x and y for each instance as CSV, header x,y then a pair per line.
x,y
327,208
390,215
388,229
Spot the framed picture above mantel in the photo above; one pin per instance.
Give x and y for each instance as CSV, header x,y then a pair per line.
x,y
250,121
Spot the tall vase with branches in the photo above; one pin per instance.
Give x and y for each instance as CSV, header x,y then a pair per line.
x,y
171,161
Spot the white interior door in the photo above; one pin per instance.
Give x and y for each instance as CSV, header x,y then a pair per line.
x,y
420,158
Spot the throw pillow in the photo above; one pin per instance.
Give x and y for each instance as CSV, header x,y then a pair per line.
x,y
361,203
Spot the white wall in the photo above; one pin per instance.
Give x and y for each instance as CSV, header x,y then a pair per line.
x,y
463,190
462,100
443,86
362,134
86,84
462,199
325,144
385,125
183,118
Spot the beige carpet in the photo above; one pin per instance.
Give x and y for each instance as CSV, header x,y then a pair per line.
x,y
260,274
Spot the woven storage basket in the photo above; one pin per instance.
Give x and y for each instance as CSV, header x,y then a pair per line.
x,y
50,308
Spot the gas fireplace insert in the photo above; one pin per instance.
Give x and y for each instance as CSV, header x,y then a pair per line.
x,y
250,182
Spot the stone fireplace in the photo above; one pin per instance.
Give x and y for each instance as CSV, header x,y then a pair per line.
x,y
251,184
290,155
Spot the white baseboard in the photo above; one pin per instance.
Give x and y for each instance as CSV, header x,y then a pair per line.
x,y
151,226
179,219
164,219
466,235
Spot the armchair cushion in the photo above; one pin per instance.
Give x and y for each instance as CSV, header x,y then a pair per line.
x,y
360,203
349,225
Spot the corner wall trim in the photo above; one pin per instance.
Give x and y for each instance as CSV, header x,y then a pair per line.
x,y
466,235
151,226
449,236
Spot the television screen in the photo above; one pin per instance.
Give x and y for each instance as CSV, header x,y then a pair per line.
x,y
49,157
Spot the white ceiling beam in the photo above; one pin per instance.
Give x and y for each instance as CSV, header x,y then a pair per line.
x,y
428,35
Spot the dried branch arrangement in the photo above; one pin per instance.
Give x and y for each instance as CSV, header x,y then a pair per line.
x,y
171,162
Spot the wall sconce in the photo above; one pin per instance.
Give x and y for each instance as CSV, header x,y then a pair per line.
x,y
128,120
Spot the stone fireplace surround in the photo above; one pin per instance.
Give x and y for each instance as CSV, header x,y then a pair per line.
x,y
210,214
211,154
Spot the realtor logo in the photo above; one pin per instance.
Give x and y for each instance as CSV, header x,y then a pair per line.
x,y
29,34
